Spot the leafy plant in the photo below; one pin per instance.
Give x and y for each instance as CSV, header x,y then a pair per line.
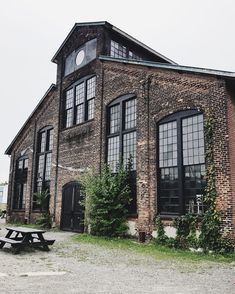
x,y
107,196
45,220
42,199
161,235
186,226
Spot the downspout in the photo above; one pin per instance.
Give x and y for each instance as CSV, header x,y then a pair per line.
x,y
58,140
149,80
33,168
11,190
101,115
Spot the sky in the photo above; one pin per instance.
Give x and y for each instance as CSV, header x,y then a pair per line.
x,y
197,33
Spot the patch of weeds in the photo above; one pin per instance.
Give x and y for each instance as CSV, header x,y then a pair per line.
x,y
157,251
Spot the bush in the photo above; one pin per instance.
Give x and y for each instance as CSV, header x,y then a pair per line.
x,y
45,221
107,196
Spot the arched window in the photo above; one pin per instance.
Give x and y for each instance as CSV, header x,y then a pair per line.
x,y
79,102
181,163
121,138
44,156
20,183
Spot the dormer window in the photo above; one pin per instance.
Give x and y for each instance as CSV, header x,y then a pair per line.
x,y
118,50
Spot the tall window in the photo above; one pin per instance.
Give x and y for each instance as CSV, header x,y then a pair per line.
x,y
181,163
20,183
80,102
121,141
44,156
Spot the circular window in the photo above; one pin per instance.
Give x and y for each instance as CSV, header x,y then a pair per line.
x,y
80,57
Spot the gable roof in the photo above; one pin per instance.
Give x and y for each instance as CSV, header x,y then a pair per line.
x,y
50,89
114,29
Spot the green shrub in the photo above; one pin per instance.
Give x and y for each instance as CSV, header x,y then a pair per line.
x,y
45,221
161,238
107,196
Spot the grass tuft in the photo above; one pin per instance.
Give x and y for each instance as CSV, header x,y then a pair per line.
x,y
151,249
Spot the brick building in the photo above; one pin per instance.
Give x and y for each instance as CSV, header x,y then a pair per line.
x,y
114,98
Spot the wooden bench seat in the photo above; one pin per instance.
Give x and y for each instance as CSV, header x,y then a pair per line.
x,y
10,241
46,242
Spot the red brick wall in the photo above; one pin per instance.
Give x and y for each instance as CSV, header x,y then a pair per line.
x,y
231,140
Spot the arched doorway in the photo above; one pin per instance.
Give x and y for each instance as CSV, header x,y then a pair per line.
x,y
72,215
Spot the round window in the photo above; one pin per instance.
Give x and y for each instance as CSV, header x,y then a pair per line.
x,y
80,57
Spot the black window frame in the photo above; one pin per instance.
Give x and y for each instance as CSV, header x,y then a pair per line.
x,y
21,175
74,105
118,51
45,153
178,117
121,101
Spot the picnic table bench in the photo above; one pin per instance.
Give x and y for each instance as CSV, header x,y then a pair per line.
x,y
20,237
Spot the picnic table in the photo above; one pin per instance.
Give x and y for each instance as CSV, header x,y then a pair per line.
x,y
20,237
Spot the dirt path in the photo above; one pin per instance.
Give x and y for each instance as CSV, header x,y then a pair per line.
x,y
84,268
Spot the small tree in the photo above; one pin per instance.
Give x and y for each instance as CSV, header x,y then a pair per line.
x,y
106,201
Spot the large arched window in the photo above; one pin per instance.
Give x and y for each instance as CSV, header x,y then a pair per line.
x,y
121,138
181,163
20,183
44,156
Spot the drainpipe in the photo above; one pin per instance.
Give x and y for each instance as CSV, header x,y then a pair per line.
x,y
58,141
101,115
32,171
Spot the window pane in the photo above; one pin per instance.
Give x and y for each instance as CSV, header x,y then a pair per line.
x,y
69,118
133,55
129,149
130,114
43,142
91,88
69,99
193,140
118,50
194,186
40,167
26,163
80,94
114,119
169,192
113,153
91,108
80,114
20,164
50,134
48,167
168,144
23,196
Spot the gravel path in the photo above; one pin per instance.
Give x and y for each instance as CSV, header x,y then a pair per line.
x,y
72,267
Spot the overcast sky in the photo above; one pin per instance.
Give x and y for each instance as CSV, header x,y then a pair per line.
x,y
198,33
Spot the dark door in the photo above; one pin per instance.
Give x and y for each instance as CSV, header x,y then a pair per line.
x,y
72,216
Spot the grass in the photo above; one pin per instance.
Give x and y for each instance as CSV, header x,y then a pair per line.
x,y
151,249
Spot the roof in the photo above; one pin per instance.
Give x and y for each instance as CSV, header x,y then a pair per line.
x,y
9,148
115,29
226,74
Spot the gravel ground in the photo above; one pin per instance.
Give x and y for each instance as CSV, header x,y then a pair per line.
x,y
73,267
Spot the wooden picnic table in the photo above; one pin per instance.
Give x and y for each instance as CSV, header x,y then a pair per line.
x,y
20,237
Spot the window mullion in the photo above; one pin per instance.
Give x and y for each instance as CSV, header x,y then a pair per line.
x,y
74,106
180,164
85,112
122,116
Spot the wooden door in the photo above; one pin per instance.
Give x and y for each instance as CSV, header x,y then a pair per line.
x,y
72,216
